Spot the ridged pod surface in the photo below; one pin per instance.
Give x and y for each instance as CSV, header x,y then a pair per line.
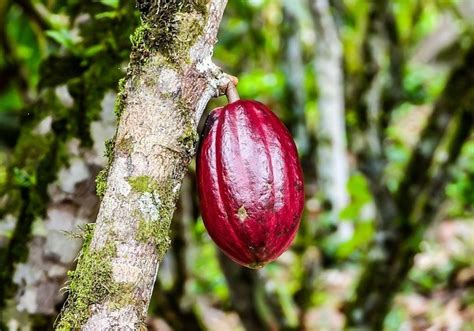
x,y
250,183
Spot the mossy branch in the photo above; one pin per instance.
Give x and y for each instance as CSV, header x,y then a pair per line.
x,y
169,81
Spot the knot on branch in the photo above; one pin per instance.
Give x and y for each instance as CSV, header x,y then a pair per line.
x,y
217,83
216,78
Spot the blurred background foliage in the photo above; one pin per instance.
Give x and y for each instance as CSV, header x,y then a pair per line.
x,y
85,45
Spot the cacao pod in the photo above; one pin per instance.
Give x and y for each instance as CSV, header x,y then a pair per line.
x,y
250,183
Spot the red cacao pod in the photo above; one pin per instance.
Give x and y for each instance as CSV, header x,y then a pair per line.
x,y
250,183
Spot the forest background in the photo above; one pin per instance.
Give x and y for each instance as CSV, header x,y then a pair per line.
x,y
379,97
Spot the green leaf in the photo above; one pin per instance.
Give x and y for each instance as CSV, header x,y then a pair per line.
x,y
111,3
63,37
91,51
107,14
23,178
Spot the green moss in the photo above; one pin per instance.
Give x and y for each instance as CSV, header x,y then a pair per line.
x,y
125,145
101,183
119,104
109,149
164,195
101,179
92,283
157,232
140,35
169,28
189,139
141,184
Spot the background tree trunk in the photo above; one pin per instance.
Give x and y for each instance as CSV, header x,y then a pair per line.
x,y
333,165
294,69
52,249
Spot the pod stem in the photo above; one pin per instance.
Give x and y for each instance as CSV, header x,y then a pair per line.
x,y
231,92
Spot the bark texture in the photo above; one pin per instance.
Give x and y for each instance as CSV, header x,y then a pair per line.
x,y
169,82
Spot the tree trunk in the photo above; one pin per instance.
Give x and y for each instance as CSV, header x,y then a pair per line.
x,y
333,166
169,82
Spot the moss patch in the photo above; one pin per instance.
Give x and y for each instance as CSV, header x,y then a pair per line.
x,y
119,104
156,232
101,182
101,179
188,140
169,28
142,184
91,283
164,195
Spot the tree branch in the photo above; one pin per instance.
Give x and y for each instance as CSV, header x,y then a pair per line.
x,y
379,89
169,82
434,194
454,97
370,110
393,93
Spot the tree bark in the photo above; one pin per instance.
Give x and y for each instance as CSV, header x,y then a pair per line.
x,y
169,82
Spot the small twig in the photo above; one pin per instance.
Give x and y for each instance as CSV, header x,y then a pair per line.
x,y
231,90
